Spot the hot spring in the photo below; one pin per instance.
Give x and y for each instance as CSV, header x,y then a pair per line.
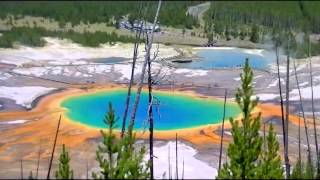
x,y
174,112
230,57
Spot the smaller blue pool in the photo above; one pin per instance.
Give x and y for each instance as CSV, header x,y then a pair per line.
x,y
224,57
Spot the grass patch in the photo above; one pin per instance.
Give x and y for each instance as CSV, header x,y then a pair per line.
x,y
33,37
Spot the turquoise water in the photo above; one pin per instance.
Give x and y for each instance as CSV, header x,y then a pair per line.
x,y
110,60
174,112
229,58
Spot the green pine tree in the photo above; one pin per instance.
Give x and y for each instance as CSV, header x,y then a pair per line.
x,y
254,34
227,33
297,171
309,171
245,149
218,28
118,158
303,171
64,171
242,33
270,163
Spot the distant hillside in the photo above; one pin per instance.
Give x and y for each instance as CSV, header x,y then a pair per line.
x,y
275,14
173,13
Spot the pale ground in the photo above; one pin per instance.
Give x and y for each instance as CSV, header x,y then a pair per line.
x,y
64,52
186,161
27,73
23,95
189,167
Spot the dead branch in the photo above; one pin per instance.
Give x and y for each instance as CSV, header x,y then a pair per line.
x,y
21,168
313,110
302,110
38,162
134,59
222,133
53,149
287,111
177,176
140,84
285,144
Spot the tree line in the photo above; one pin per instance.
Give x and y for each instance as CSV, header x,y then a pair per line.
x,y
258,21
173,13
283,14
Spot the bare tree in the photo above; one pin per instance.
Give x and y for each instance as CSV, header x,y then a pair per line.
x,y
222,132
147,57
264,137
87,169
153,79
285,144
21,168
150,115
299,142
287,108
140,84
177,176
182,169
313,110
134,59
38,162
169,163
302,110
135,55
53,149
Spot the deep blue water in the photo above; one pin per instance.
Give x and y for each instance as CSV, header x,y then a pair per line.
x,y
229,58
174,112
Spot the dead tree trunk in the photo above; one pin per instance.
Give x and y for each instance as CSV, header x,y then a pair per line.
x,y
134,60
313,110
183,169
286,158
287,109
150,116
302,110
135,55
21,168
222,131
169,163
53,149
177,176
149,46
38,162
87,169
264,137
299,142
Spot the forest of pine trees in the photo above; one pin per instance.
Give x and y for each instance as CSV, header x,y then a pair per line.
x,y
101,11
87,12
272,14
257,21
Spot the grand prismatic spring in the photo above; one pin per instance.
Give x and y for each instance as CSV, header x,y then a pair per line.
x,y
173,111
